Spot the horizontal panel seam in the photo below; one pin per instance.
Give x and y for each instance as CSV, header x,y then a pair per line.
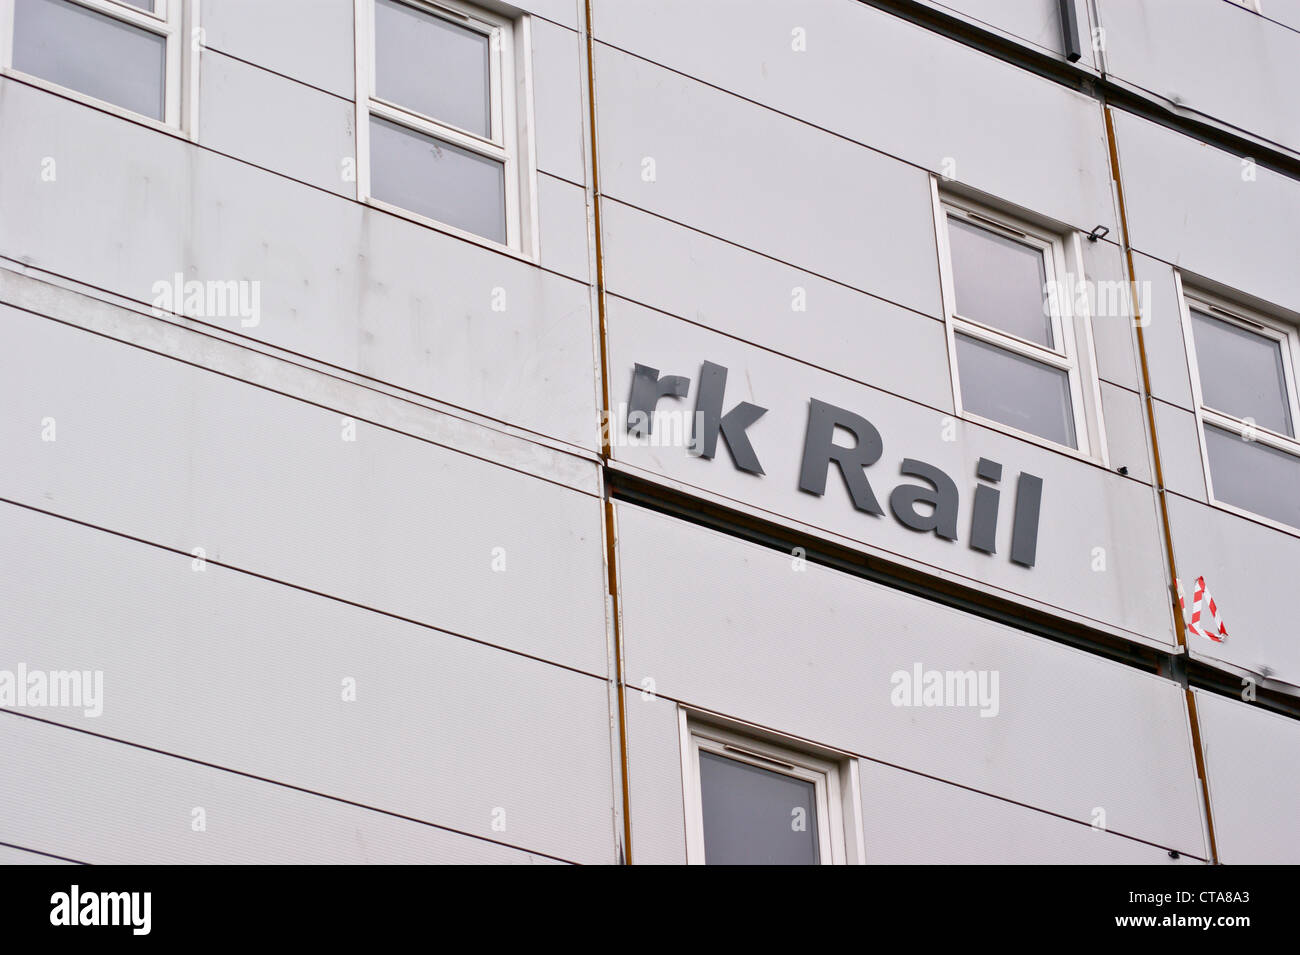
x,y
769,257
186,141
230,376
280,783
967,581
843,137
39,852
302,588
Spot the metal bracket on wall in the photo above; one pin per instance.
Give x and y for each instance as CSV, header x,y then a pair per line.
x,y
1070,31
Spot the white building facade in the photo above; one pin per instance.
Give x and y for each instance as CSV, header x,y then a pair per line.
x,y
654,432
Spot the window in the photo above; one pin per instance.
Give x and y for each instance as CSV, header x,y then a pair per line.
x,y
442,118
1010,303
125,54
753,801
1243,369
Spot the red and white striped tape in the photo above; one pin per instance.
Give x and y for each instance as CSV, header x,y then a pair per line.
x,y
1201,597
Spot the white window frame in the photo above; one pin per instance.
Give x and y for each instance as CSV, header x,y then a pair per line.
x,y
1288,336
510,141
171,19
1071,323
836,785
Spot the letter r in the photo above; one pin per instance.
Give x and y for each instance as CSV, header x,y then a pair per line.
x,y
819,450
647,389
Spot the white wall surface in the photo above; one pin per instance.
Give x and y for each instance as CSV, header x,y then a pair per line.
x,y
1210,58
732,628
350,286
109,803
715,155
1253,762
1249,568
246,674
910,819
1084,506
1191,205
1011,134
658,263
186,458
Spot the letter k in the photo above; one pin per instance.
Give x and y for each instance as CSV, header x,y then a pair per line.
x,y
709,420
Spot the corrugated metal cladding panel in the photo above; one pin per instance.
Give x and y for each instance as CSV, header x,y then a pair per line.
x,y
296,104
1252,759
735,628
1007,132
185,458
910,819
310,41
1126,434
1180,451
1113,340
1163,331
764,181
247,674
1206,211
105,802
725,287
339,282
655,779
297,130
1210,57
1084,507
560,120
1250,570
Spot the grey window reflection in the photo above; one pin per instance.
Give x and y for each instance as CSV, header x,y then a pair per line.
x,y
1015,390
146,5
433,66
750,815
1253,476
438,180
1241,372
999,282
91,53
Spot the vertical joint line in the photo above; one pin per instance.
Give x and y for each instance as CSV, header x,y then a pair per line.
x,y
606,436
1180,630
606,441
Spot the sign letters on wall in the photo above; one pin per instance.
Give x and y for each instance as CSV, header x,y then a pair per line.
x,y
927,508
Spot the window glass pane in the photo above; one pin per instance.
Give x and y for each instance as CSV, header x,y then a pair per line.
x,y
1241,372
999,282
91,53
754,816
1253,476
142,4
1015,390
432,66
437,179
